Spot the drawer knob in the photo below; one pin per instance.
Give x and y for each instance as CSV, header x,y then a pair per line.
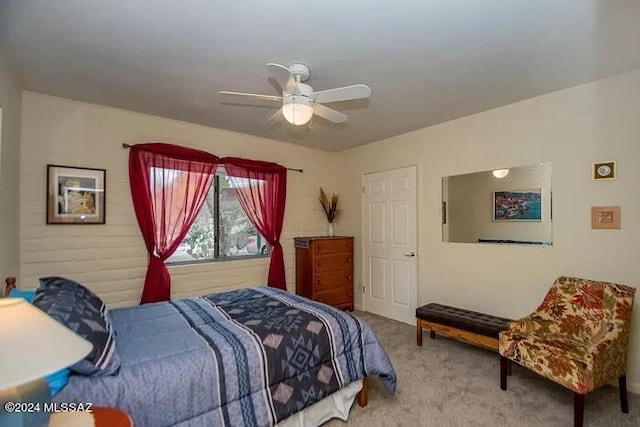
x,y
348,260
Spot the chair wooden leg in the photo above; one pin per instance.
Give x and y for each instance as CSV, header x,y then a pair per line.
x,y
624,401
509,368
418,333
432,334
504,366
578,409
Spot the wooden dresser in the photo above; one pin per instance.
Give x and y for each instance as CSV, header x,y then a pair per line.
x,y
324,270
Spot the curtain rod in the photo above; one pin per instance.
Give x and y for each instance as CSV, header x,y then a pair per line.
x,y
125,145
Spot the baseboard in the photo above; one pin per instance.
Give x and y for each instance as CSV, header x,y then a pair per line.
x,y
357,307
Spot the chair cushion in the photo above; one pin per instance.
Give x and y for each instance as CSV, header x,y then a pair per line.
x,y
564,361
467,320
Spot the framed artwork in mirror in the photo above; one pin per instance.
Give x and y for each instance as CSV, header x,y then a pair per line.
x,y
517,205
470,200
444,212
604,170
75,195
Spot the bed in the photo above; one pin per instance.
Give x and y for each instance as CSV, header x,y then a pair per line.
x,y
247,357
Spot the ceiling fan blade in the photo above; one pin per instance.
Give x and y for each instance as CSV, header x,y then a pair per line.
x,y
284,78
276,117
251,95
346,93
329,114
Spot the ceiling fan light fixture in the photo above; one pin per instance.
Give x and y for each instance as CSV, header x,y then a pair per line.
x,y
500,173
297,109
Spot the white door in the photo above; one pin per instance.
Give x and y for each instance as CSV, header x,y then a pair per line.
x,y
389,237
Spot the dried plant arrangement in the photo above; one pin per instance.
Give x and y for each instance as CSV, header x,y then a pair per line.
x,y
330,206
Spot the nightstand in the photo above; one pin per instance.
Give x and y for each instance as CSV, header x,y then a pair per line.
x,y
99,417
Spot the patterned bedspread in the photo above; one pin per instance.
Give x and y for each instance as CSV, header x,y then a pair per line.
x,y
247,357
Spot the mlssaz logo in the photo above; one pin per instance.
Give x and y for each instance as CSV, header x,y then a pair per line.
x,y
67,407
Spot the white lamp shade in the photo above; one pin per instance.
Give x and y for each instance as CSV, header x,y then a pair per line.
x,y
297,110
500,173
33,344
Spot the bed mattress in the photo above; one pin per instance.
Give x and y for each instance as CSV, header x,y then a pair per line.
x,y
248,357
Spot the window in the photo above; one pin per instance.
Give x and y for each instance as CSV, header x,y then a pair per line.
x,y
221,231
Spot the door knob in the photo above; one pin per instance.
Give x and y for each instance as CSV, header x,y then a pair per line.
x,y
411,253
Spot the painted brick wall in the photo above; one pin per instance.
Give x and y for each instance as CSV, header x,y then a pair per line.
x,y
10,110
111,258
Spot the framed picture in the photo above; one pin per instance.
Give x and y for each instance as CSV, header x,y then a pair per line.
x,y
604,170
75,195
517,205
605,217
444,212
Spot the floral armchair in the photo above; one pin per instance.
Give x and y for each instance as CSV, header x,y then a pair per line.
x,y
577,337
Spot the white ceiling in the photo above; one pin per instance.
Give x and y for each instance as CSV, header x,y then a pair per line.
x,y
426,61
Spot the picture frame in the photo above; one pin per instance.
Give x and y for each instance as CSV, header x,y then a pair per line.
x,y
517,205
76,195
605,217
602,171
444,212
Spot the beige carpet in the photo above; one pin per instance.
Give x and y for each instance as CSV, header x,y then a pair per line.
x,y
450,383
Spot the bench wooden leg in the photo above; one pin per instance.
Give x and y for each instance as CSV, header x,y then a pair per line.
x,y
418,333
363,395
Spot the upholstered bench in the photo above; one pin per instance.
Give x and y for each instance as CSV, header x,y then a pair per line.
x,y
477,328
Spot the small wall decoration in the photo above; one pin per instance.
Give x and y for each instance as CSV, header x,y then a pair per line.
x,y
75,195
517,205
604,170
605,217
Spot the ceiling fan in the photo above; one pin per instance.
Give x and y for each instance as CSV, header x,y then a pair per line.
x,y
299,101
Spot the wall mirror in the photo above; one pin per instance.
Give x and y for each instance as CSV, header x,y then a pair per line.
x,y
503,206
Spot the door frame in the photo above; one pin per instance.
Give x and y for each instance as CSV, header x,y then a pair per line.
x,y
362,231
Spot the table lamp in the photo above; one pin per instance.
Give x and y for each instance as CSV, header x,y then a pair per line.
x,y
32,345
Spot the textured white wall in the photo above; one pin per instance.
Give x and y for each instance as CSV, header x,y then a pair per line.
x,y
571,129
10,103
111,259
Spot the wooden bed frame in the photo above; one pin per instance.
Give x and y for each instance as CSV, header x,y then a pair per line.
x,y
362,397
9,283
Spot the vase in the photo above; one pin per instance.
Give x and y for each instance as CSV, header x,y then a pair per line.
x,y
331,231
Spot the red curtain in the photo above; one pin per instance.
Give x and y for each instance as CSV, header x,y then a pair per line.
x,y
261,188
169,184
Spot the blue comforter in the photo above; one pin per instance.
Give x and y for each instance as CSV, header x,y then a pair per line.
x,y
247,357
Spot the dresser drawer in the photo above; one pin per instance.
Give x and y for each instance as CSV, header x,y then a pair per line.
x,y
334,296
331,280
333,246
333,263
